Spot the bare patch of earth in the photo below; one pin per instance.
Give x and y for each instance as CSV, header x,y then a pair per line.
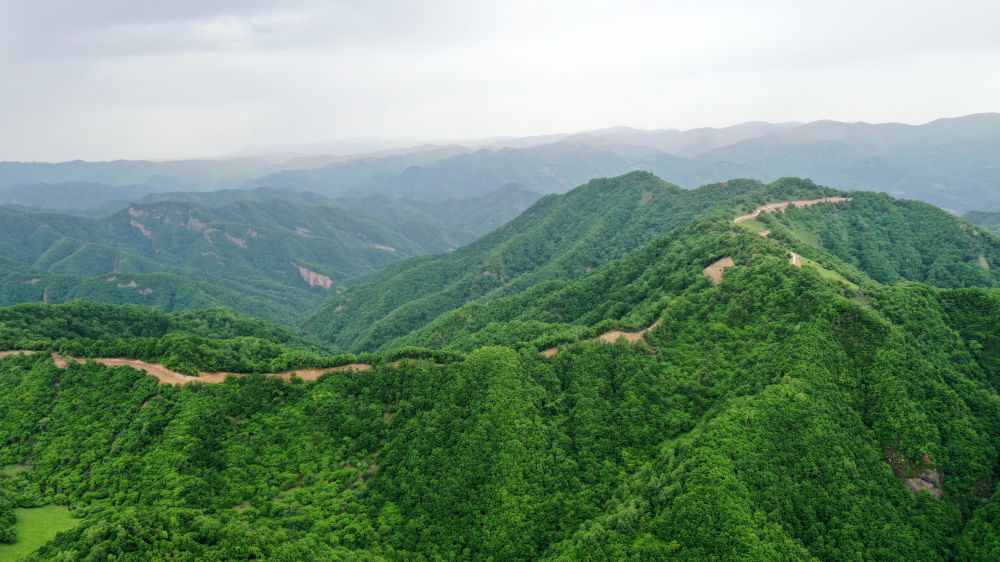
x,y
715,270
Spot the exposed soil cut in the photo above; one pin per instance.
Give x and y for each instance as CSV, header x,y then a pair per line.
x,y
610,337
16,352
715,270
61,362
795,260
983,262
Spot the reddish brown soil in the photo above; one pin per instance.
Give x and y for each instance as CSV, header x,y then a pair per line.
x,y
715,270
61,362
16,352
169,376
609,337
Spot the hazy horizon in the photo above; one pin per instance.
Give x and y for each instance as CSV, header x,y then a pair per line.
x,y
108,80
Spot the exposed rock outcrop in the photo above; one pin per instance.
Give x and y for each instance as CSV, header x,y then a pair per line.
x,y
142,228
238,241
313,278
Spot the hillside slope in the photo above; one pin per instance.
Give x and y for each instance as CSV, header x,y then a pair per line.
x,y
951,163
444,301
275,258
558,238
548,168
766,416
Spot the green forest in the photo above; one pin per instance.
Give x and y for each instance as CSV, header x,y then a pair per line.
x,y
572,385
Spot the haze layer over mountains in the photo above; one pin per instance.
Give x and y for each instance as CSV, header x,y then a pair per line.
x,y
951,163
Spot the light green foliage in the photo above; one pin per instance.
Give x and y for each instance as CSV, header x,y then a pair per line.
x,y
36,526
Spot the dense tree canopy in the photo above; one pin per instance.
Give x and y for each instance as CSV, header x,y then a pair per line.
x,y
844,409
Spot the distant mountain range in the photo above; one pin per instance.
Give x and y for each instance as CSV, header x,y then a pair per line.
x,y
953,163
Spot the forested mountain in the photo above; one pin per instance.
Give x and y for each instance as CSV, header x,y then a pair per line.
x,y
952,163
558,238
466,217
476,215
79,186
550,168
817,380
275,259
73,197
524,271
835,405
25,325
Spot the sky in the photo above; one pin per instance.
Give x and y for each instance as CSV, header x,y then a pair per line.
x,y
110,79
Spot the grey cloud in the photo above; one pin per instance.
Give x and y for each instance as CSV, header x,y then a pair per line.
x,y
128,79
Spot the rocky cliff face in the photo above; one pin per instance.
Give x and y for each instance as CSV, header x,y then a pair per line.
x,y
313,278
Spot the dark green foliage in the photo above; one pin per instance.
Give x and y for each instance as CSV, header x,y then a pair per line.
x,y
558,240
777,415
756,424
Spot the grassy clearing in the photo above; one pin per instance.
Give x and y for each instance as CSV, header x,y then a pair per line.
x,y
807,237
753,225
36,526
12,470
827,273
803,234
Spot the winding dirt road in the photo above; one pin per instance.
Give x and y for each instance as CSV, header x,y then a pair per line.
x,y
169,376
784,205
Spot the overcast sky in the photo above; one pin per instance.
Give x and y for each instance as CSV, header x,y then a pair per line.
x,y
105,79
